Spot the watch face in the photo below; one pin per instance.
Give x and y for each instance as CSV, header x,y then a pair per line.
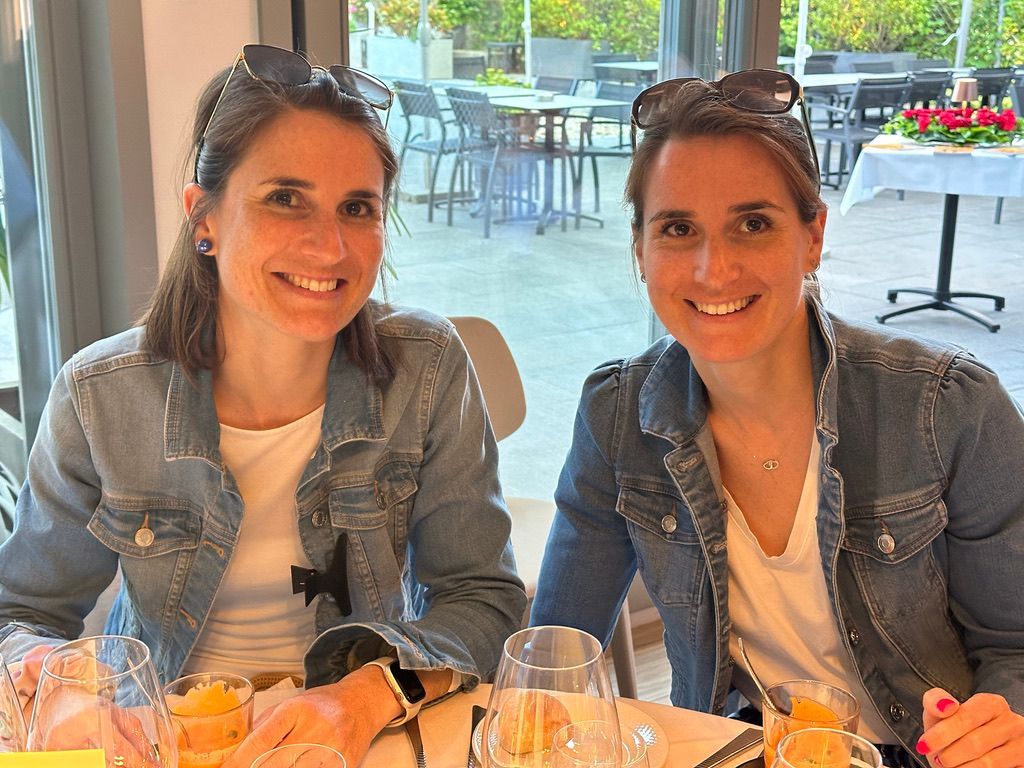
x,y
409,682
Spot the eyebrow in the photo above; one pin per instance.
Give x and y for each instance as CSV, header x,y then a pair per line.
x,y
679,213
296,183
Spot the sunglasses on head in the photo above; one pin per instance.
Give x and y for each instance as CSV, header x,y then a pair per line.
x,y
284,67
763,91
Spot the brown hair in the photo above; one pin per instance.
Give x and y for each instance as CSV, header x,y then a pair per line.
x,y
699,109
181,318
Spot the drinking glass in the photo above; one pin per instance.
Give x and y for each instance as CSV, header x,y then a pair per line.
x,y
300,756
548,678
13,736
103,693
826,748
813,705
211,714
593,744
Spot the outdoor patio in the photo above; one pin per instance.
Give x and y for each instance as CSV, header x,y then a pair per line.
x,y
567,301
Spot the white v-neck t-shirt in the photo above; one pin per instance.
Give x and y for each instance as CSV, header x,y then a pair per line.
x,y
780,607
256,624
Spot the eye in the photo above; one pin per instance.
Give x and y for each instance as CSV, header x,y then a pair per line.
x,y
676,229
358,208
284,197
756,224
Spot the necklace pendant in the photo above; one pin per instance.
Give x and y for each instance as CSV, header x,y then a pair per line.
x,y
770,464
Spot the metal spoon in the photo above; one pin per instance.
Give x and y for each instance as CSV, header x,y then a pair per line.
x,y
780,706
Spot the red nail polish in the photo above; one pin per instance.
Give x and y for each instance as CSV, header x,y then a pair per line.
x,y
922,748
945,704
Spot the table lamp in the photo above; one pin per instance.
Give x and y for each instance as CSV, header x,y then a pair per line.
x,y
965,89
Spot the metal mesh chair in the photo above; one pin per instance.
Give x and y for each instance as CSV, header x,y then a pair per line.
x,y
879,67
417,100
929,89
853,128
490,144
1016,94
993,85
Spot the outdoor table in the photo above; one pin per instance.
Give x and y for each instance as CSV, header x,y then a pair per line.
x,y
692,735
832,79
492,91
895,162
646,70
550,108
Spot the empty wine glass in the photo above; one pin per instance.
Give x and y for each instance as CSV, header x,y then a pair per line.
x,y
548,678
13,733
103,693
826,748
300,756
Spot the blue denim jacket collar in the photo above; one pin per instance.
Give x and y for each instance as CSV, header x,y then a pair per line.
x,y
353,411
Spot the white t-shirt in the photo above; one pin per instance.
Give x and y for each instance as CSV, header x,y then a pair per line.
x,y
256,623
780,607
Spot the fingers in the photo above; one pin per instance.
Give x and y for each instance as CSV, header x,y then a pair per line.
x,y
269,733
938,705
979,729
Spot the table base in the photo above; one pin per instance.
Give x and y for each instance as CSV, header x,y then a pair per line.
x,y
942,296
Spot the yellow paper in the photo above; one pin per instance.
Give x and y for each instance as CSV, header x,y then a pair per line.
x,y
74,758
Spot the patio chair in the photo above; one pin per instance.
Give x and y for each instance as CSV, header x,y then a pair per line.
x,y
854,127
490,144
929,89
1016,93
993,85
503,393
880,67
918,65
418,101
613,117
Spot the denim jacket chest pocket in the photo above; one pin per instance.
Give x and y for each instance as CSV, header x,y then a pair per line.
x,y
891,551
156,539
374,512
667,544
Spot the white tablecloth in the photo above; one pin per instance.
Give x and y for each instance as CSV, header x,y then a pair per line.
x,y
445,728
920,168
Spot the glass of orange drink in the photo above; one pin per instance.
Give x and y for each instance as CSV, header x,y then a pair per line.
x,y
812,704
211,715
826,748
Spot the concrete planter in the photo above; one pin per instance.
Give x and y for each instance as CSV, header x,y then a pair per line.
x,y
562,58
400,57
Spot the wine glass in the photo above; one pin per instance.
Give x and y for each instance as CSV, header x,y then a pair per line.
x,y
300,756
13,733
593,744
826,748
211,714
103,693
548,678
813,705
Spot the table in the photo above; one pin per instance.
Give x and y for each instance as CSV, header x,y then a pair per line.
x,y
445,728
647,70
550,107
832,79
491,91
897,163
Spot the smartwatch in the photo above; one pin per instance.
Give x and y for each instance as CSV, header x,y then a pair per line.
x,y
406,686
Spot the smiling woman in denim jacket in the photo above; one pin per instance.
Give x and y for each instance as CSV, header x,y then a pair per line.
x,y
267,414
845,498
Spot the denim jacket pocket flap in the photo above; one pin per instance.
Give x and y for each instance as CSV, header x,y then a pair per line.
x,y
658,511
146,527
365,506
895,532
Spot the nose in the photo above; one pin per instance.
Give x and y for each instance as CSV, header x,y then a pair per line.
x,y
324,239
715,265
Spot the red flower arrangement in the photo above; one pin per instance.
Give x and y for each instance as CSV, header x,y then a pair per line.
x,y
965,125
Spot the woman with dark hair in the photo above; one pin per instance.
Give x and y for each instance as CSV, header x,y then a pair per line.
x,y
845,498
269,429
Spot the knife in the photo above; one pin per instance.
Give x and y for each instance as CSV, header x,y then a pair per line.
x,y
477,716
744,741
412,727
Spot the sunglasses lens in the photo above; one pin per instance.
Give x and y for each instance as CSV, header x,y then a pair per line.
x,y
649,105
277,64
361,85
760,91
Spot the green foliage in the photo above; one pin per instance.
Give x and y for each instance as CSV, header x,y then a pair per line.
x,y
921,26
627,26
403,17
461,12
497,76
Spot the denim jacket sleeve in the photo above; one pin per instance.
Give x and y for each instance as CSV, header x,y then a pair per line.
x,y
589,560
979,432
52,568
459,548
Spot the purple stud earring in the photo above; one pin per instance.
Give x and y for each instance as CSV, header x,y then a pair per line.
x,y
204,246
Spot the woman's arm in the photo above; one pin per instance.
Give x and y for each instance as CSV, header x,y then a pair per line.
x,y
589,560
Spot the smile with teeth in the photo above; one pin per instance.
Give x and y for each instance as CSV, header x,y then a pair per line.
x,y
723,309
316,286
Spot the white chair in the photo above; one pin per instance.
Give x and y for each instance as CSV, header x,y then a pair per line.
x,y
531,518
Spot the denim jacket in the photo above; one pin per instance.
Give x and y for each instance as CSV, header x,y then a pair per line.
x,y
918,441
408,472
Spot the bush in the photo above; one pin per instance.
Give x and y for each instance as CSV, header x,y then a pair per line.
x,y
403,17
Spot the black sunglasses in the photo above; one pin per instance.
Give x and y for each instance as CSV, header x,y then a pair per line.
x,y
764,91
284,67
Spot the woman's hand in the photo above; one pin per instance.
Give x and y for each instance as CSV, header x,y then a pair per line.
x,y
346,715
982,732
